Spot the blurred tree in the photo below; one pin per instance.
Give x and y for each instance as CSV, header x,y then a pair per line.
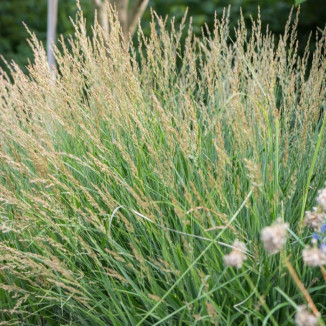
x,y
13,35
102,15
128,17
51,32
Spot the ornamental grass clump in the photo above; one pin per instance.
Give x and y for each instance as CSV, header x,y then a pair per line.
x,y
124,180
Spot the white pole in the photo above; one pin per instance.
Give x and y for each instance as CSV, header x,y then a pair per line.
x,y
51,33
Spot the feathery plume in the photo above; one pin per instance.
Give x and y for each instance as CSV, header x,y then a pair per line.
x,y
274,236
304,318
237,256
314,257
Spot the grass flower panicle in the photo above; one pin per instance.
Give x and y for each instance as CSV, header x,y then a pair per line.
x,y
274,236
237,256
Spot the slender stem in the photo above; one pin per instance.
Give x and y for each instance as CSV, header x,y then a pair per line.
x,y
302,288
261,299
276,158
323,272
195,261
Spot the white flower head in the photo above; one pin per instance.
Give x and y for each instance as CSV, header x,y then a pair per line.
x,y
314,257
304,318
314,219
274,236
237,256
321,199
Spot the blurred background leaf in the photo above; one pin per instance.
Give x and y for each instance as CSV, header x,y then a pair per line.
x,y
298,2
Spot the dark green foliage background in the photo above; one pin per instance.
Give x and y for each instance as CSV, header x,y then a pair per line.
x,y
13,34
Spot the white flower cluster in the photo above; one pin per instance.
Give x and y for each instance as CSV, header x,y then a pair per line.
x,y
316,220
317,216
237,256
304,318
321,199
274,236
314,257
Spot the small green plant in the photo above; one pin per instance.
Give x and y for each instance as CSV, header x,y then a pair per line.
x,y
125,181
